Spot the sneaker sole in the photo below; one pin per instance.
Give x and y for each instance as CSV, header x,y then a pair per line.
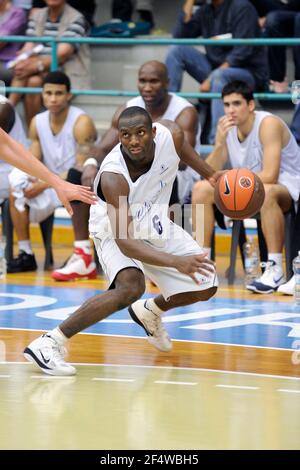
x,y
31,357
137,320
73,276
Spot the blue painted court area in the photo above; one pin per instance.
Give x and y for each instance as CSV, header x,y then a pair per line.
x,y
221,320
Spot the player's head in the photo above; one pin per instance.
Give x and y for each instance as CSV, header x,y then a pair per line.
x,y
136,134
56,91
153,82
238,101
7,115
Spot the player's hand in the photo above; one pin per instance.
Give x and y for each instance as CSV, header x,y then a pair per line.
x,y
35,189
214,178
191,265
224,125
73,192
89,173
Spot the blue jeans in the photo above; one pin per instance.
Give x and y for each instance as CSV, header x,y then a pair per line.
x,y
185,58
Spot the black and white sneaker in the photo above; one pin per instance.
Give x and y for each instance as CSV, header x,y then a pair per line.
x,y
270,280
48,355
152,324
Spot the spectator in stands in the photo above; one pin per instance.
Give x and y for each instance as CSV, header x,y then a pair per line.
x,y
11,123
262,142
283,23
13,21
155,98
86,7
57,136
219,65
57,19
123,10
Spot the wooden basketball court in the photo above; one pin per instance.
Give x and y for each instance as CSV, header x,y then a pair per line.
x,y
231,381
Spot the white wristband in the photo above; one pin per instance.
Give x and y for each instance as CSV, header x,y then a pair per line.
x,y
91,161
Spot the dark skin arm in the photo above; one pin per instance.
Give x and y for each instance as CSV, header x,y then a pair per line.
x,y
116,191
188,122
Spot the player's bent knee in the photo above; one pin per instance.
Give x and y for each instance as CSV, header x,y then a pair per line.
x,y
131,287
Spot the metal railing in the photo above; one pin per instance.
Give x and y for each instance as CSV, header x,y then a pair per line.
x,y
150,42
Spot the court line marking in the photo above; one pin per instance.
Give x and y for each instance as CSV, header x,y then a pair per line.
x,y
5,376
141,366
111,379
245,387
285,390
169,382
52,377
173,340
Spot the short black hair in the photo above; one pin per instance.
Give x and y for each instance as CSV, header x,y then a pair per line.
x,y
58,78
239,87
134,111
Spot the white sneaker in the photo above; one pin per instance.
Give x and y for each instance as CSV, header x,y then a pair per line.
x,y
46,353
152,324
287,288
79,266
270,280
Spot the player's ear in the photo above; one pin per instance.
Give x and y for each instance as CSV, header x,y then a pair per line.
x,y
251,105
153,132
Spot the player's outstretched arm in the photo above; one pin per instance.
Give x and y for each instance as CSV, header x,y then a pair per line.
x,y
15,154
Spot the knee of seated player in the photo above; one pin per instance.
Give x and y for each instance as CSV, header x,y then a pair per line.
x,y
202,193
270,195
130,285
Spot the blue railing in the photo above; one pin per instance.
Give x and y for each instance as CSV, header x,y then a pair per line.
x,y
150,42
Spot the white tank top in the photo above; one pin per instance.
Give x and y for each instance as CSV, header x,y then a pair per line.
x,y
59,151
148,196
17,132
249,154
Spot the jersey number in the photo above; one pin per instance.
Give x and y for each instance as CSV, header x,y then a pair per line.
x,y
157,224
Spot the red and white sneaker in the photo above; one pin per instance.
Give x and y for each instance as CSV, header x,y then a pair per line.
x,y
79,266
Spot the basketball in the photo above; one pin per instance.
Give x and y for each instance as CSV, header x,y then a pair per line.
x,y
239,193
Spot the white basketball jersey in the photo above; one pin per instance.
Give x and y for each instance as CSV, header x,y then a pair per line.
x,y
149,195
59,151
249,154
17,132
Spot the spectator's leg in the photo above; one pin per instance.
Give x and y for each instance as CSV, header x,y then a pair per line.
x,y
20,220
14,98
219,78
189,59
296,49
264,7
122,9
33,103
80,219
279,24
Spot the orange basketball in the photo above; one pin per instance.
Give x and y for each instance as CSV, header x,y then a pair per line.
x,y
239,193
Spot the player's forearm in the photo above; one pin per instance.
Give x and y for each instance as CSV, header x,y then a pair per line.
x,y
139,250
15,154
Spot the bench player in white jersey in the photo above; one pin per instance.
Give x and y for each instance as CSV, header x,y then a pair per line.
x,y
154,97
57,136
133,235
263,143
15,154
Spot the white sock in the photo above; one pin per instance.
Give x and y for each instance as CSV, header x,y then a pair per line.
x,y
58,335
85,245
277,257
208,251
25,245
153,307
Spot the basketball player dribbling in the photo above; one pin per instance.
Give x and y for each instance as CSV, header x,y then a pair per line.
x,y
263,143
133,185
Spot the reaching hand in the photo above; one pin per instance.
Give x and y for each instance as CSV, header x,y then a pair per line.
x,y
72,192
191,265
214,178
